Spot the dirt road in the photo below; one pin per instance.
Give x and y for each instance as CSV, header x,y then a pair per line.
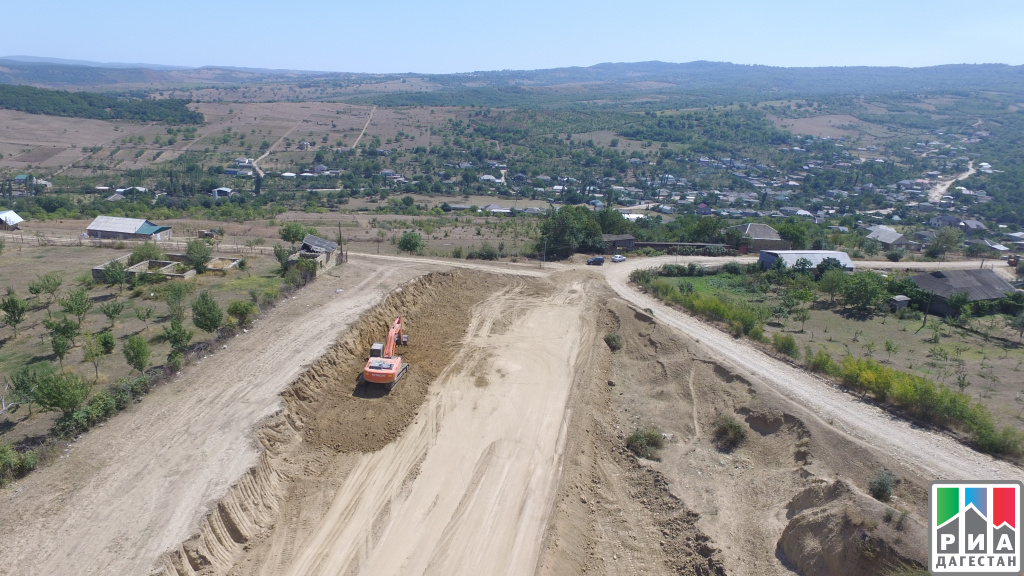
x,y
935,454
935,194
468,487
136,487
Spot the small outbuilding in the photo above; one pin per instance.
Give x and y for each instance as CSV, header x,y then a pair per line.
x,y
315,248
9,220
759,237
619,241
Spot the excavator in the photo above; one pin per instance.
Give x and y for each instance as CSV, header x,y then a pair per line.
x,y
384,367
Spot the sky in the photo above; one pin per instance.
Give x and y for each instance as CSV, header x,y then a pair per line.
x,y
445,36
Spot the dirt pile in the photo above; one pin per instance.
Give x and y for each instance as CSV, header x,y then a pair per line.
x,y
834,530
327,412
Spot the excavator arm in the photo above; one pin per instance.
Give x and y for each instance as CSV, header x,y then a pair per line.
x,y
393,337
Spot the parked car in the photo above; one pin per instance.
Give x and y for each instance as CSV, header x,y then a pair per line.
x,y
596,261
618,258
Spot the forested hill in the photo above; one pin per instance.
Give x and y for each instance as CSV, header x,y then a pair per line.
x,y
95,106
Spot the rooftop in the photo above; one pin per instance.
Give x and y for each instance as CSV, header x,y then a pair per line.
x,y
981,284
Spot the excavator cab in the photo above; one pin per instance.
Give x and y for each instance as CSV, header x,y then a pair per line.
x,y
377,350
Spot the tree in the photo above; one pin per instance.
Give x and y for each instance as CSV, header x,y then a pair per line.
x,y
93,351
947,238
411,242
115,273
48,284
891,348
177,335
864,289
144,314
107,342
136,353
1016,323
832,282
801,315
14,309
206,314
174,296
796,233
112,310
281,254
61,346
958,301
829,264
802,265
243,312
145,251
292,232
25,381
77,303
871,246
569,230
65,328
62,391
198,254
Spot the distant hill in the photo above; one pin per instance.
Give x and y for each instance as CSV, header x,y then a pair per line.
x,y
89,63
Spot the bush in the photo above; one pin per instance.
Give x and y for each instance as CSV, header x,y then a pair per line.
x,y
643,442
785,344
896,254
146,251
486,252
243,312
821,362
614,341
14,465
411,242
732,268
880,487
729,433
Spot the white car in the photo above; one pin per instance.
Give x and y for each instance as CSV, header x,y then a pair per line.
x,y
618,258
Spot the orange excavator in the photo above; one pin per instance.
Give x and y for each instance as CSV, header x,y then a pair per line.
x,y
384,367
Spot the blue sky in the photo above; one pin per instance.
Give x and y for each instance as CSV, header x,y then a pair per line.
x,y
463,36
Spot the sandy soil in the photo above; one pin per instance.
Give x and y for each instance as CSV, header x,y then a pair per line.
x,y
501,452
942,186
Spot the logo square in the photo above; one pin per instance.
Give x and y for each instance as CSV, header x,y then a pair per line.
x,y
975,527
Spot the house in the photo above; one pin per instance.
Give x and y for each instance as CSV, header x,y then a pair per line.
x,y
889,237
319,169
115,197
767,258
940,221
23,180
222,192
898,302
842,229
243,162
619,241
979,284
115,228
759,237
304,145
9,220
319,250
703,209
974,227
288,175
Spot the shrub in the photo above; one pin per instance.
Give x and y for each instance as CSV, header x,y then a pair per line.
x,y
880,487
732,268
146,251
729,433
411,242
206,313
896,254
198,254
614,341
643,442
243,312
785,344
14,465
821,362
106,341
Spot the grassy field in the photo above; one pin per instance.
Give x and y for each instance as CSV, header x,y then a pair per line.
x,y
986,356
25,263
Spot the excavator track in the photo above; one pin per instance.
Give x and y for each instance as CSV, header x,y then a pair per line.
x,y
391,386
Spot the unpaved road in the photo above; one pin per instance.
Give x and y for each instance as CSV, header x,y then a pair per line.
x,y
935,194
138,486
468,487
936,455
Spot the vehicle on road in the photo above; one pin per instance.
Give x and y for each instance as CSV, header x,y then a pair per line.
x,y
595,261
618,258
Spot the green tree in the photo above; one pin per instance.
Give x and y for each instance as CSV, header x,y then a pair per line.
x,y
947,238
832,282
174,296
243,312
198,254
14,310
93,352
65,328
871,246
48,284
281,254
292,232
136,353
144,314
112,310
891,348
61,391
146,251
801,315
206,314
411,242
77,303
107,342
177,335
115,273
60,346
1016,323
829,264
796,233
958,302
569,230
864,289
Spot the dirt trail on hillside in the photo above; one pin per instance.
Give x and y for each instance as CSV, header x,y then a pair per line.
x,y
937,455
138,486
941,187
